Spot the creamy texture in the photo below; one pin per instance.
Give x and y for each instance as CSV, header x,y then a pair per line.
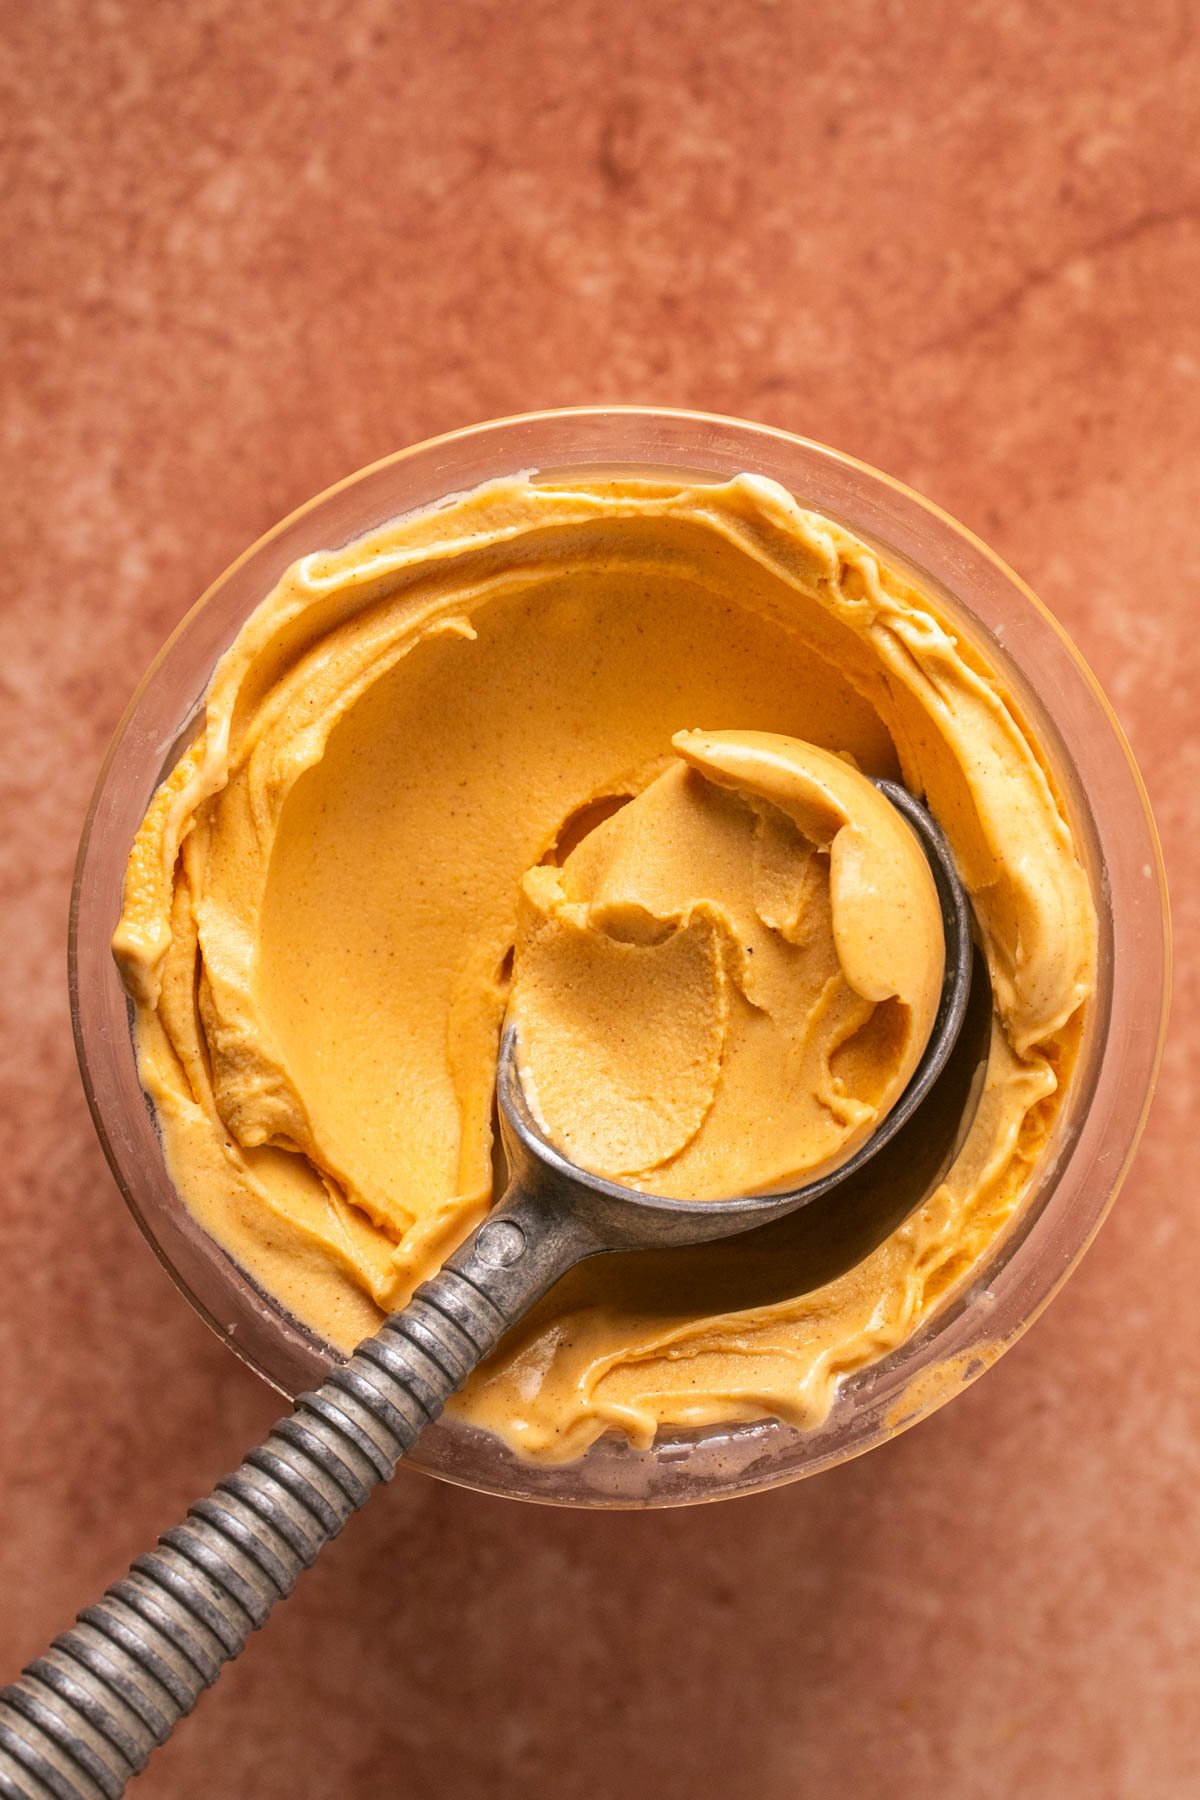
x,y
404,743
730,982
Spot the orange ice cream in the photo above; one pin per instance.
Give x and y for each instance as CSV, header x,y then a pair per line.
x,y
728,984
602,749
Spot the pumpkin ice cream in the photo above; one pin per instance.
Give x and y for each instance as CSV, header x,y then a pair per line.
x,y
602,749
729,983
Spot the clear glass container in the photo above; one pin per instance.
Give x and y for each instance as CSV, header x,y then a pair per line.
x,y
1106,1105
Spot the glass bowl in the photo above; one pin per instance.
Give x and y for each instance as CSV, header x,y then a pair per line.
x,y
1106,1105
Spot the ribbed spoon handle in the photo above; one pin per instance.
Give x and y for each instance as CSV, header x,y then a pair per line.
x,y
83,1719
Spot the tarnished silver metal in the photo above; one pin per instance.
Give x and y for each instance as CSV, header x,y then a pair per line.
x,y
84,1718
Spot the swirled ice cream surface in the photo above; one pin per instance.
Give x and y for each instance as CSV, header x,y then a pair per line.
x,y
601,754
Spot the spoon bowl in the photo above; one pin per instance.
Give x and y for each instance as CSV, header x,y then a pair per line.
x,y
624,1218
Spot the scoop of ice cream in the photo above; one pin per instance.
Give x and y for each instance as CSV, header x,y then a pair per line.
x,y
730,981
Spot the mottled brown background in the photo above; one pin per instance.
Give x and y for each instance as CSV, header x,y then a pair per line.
x,y
249,248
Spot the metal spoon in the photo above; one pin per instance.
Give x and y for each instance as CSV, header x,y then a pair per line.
x,y
84,1718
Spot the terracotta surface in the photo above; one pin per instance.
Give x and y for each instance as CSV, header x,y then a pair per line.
x,y
248,249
